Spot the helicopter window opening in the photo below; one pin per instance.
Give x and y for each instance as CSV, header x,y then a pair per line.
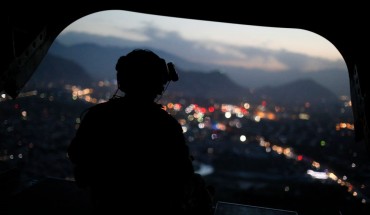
x,y
270,115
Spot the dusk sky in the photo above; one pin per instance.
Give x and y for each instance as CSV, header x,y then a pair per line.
x,y
221,38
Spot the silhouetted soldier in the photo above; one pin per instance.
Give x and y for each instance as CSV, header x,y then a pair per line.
x,y
131,154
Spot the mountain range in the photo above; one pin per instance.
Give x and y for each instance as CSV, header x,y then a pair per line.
x,y
59,71
214,84
99,54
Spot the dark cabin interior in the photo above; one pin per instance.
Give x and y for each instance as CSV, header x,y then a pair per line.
x,y
28,33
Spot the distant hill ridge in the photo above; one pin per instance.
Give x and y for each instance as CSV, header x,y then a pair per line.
x,y
97,54
193,84
60,71
298,93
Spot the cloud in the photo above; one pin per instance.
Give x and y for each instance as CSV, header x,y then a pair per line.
x,y
239,56
216,53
